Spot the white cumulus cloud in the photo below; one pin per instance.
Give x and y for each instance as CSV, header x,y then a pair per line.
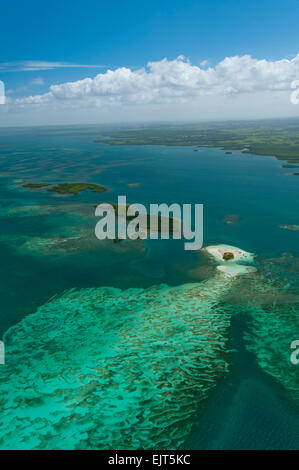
x,y
171,80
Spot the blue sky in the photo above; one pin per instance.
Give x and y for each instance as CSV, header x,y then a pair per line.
x,y
110,35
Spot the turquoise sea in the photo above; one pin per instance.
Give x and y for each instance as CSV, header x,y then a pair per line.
x,y
140,344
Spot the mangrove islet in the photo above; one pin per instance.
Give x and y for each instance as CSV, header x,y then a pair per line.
x,y
232,266
76,188
67,188
228,256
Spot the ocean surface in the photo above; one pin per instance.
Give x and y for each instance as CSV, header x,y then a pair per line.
x,y
221,371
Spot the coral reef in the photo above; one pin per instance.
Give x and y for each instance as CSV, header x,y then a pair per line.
x,y
105,368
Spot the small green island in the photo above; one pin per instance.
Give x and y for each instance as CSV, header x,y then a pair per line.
x,y
129,218
148,218
228,255
76,188
67,188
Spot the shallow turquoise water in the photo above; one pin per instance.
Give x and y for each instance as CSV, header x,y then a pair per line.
x,y
256,188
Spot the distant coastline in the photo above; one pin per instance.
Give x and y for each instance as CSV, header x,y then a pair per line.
x,y
267,138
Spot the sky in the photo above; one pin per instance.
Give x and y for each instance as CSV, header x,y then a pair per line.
x,y
73,62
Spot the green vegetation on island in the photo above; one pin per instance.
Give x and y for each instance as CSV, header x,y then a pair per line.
x,y
277,137
67,188
76,188
159,219
228,255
